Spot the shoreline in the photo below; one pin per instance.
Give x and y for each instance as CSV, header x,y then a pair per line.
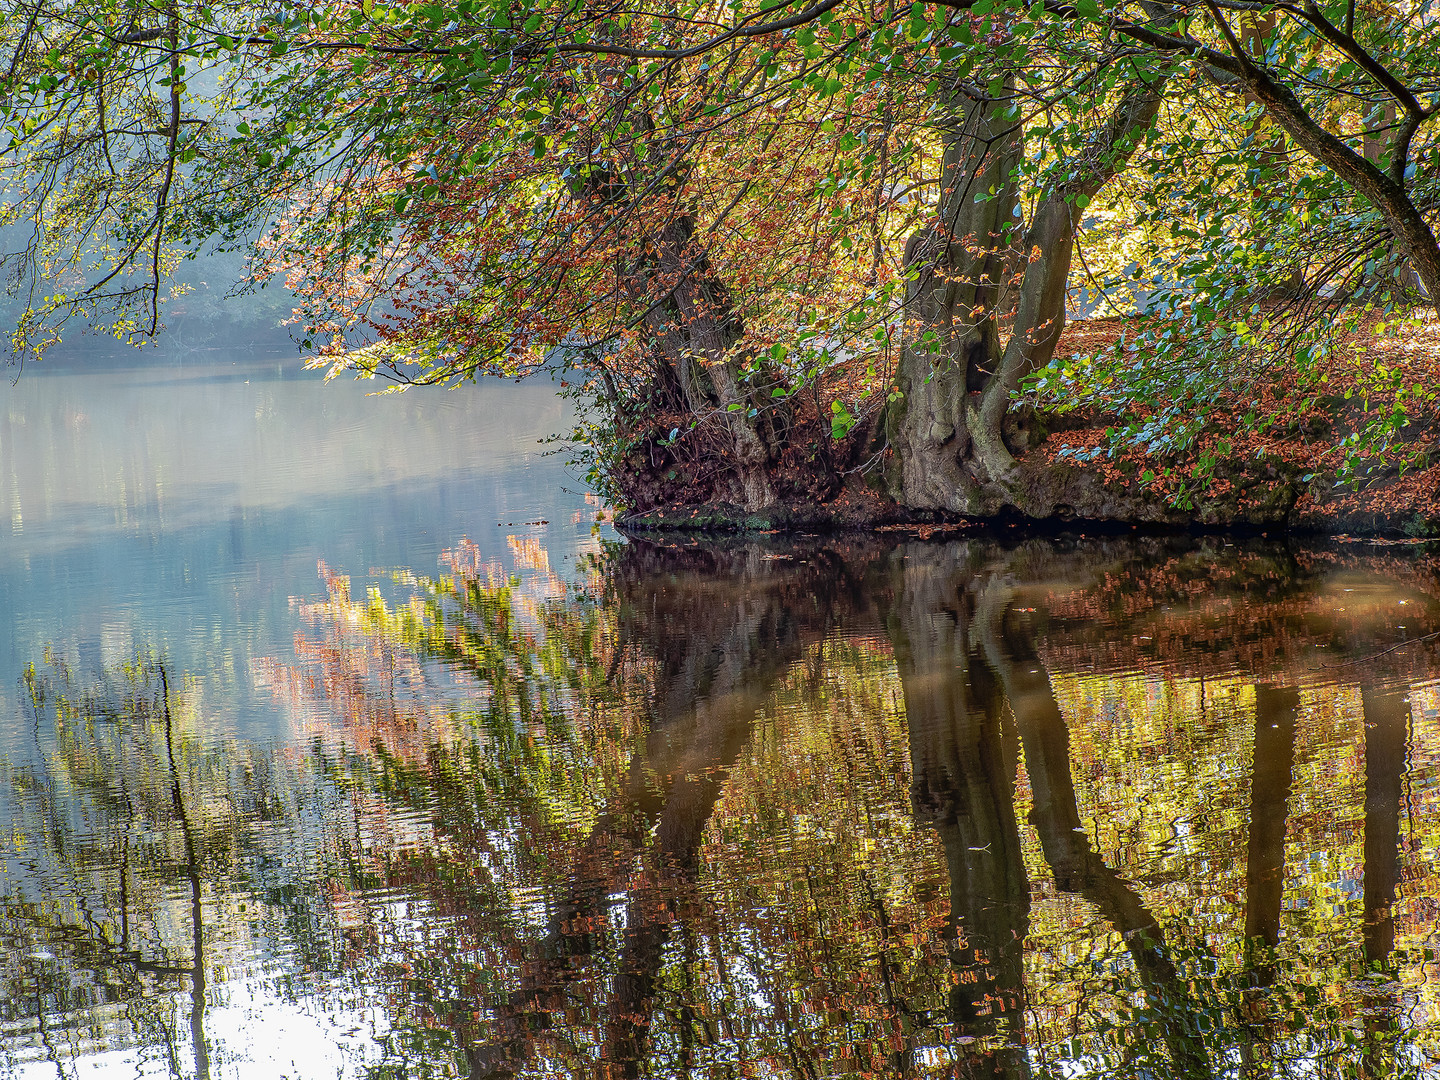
x,y
1404,525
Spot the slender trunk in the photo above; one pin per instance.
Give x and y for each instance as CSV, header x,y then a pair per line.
x,y
198,1043
1387,715
1270,782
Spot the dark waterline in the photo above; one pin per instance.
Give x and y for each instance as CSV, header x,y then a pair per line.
x,y
331,760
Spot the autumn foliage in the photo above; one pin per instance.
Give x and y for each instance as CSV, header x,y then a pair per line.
x,y
789,254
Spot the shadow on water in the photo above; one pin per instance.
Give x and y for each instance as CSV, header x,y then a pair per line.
x,y
1155,808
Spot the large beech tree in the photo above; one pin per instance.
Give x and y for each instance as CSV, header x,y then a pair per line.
x,y
719,213
977,268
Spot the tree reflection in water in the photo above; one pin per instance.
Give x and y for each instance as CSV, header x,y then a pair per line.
x,y
121,898
917,810
963,756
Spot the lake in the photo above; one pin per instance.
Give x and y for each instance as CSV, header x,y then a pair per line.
x,y
340,736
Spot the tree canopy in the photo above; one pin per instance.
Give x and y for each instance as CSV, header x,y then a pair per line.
x,y
782,243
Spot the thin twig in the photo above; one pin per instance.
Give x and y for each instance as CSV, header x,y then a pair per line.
x,y
1382,652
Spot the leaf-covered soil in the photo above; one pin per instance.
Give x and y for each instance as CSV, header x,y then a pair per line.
x,y
1300,441
1272,455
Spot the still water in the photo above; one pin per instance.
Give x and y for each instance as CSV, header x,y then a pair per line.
x,y
338,739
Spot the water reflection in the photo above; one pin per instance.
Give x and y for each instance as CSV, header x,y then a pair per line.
x,y
178,506
836,809
127,870
963,756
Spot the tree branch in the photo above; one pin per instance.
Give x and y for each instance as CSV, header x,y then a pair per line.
x,y
1356,52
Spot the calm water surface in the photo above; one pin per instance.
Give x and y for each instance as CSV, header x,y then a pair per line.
x,y
337,740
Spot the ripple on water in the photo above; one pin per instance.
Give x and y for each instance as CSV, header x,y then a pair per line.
x,y
1043,809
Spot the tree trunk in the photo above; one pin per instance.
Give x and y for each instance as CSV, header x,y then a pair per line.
x,y
695,327
956,380
1270,784
695,333
1271,781
962,260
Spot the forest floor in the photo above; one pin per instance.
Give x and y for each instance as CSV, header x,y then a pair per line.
x,y
1395,489
1284,472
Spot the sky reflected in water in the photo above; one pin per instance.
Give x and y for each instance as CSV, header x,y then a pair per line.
x,y
313,764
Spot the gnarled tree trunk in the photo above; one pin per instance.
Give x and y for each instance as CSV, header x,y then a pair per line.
x,y
694,332
964,260
697,331
976,272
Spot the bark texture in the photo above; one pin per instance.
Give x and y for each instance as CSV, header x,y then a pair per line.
x,y
697,333
964,260
978,273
